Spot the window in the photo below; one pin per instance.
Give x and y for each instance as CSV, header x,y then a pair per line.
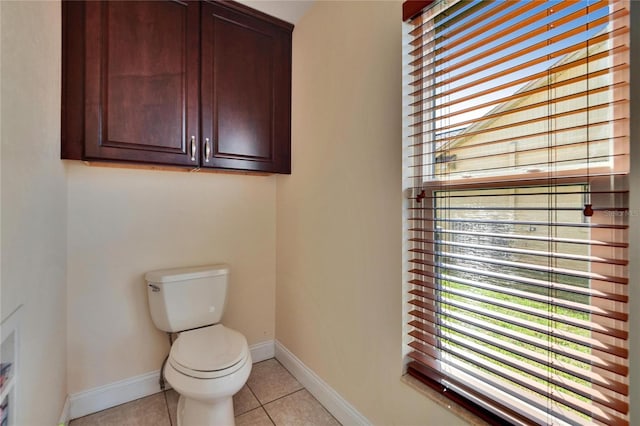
x,y
517,156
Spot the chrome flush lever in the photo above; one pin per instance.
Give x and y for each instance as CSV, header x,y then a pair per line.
x,y
193,148
154,288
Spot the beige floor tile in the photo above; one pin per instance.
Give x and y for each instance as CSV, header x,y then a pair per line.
x,y
172,405
255,417
269,381
300,408
149,411
244,401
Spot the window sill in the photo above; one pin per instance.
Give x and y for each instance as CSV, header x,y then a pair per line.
x,y
443,401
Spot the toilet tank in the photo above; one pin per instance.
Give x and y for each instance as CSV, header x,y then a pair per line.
x,y
185,298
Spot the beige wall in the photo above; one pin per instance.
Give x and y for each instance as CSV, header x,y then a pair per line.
x,y
34,204
122,223
339,226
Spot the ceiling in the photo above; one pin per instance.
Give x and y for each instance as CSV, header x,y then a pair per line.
x,y
287,10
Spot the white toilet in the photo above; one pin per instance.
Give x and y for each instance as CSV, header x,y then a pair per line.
x,y
208,363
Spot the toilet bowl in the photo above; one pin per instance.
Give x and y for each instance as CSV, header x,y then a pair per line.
x,y
207,367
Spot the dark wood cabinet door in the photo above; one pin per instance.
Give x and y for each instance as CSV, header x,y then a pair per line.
x,y
141,81
245,90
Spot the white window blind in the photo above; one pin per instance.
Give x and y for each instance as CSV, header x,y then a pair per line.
x,y
517,158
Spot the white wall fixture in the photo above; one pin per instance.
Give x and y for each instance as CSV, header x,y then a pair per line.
x,y
9,367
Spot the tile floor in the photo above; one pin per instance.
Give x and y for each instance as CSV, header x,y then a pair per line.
x,y
272,396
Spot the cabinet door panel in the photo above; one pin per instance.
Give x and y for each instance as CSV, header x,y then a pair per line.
x,y
244,91
141,101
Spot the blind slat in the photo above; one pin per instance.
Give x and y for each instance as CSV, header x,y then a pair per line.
x,y
473,390
548,317
420,33
590,408
531,296
438,53
572,307
480,44
522,222
437,82
478,384
547,239
555,132
526,122
513,278
490,357
558,150
550,269
594,359
427,89
431,337
536,327
500,250
519,95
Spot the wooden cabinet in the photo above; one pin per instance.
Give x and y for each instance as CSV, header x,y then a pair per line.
x,y
191,84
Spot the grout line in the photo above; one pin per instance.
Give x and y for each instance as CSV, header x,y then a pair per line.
x,y
259,408
262,406
283,396
268,415
299,390
253,393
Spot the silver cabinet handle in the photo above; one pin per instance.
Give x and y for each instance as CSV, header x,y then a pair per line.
x,y
207,150
194,147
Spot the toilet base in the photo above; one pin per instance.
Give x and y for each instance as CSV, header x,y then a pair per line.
x,y
192,412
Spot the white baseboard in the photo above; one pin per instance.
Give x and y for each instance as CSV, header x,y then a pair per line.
x,y
64,416
344,412
262,351
107,396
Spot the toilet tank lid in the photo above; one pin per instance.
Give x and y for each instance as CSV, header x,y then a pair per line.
x,y
190,273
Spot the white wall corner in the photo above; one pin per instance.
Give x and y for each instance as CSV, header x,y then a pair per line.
x,y
107,396
65,414
344,412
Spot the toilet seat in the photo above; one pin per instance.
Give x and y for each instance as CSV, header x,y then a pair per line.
x,y
209,352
